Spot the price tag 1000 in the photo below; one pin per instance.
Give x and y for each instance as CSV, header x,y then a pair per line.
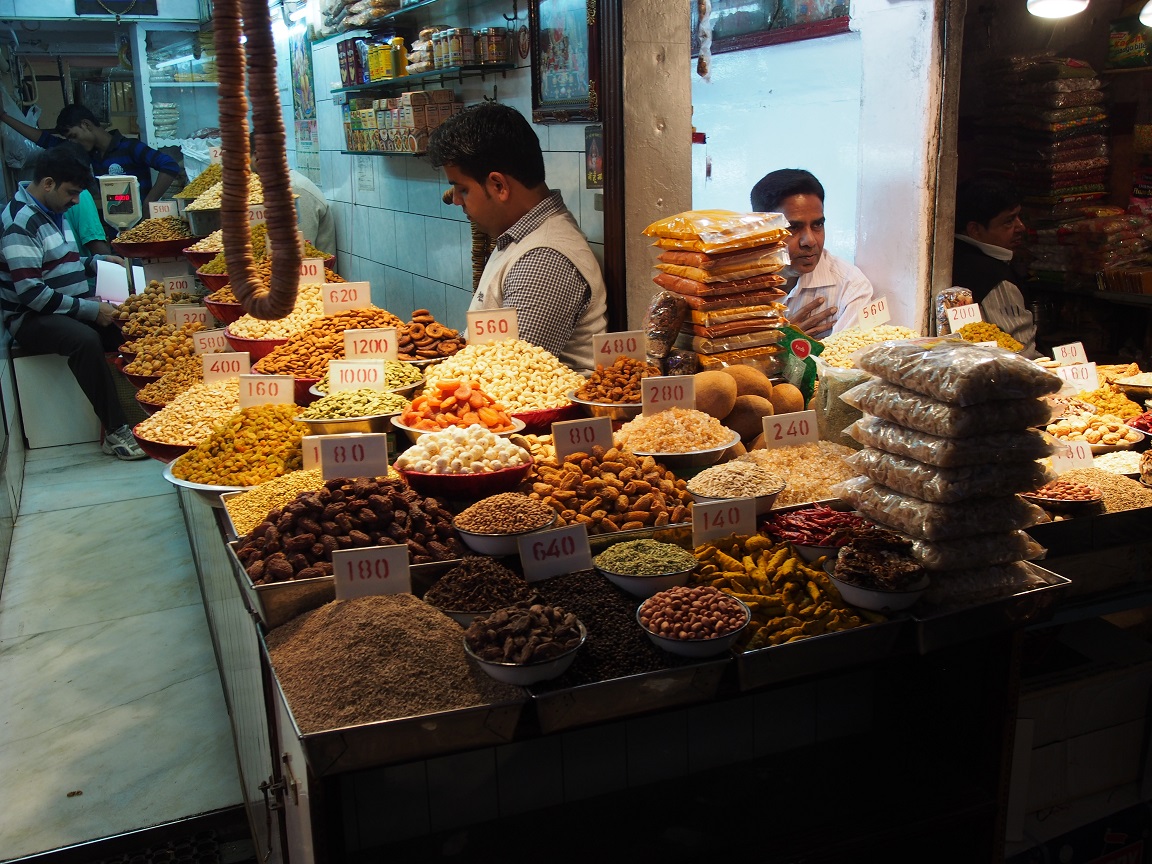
x,y
788,430
267,390
347,455
1082,376
355,375
667,391
719,519
179,314
178,284
160,209
312,271
1070,354
606,347
338,296
580,436
492,325
209,341
549,553
1074,454
875,313
230,365
958,316
376,344
371,570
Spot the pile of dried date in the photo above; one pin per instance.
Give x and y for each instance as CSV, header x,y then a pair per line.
x,y
297,540
523,634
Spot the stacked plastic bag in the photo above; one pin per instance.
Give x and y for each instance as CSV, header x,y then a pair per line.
x,y
947,448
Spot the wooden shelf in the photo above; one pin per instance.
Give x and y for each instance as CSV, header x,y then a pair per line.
x,y
455,73
381,153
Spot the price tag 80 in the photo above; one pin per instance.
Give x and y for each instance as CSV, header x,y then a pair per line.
x,y
209,341
667,391
371,570
492,325
312,271
580,436
347,455
355,375
788,430
230,365
549,553
1074,454
721,518
375,344
875,313
179,314
1081,375
267,390
958,316
1070,354
606,347
160,209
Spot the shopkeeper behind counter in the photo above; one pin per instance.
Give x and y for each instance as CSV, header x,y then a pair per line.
x,y
542,266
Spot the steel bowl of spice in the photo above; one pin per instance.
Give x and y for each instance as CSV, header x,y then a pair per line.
x,y
693,621
737,480
525,644
817,531
645,567
478,586
493,525
1066,496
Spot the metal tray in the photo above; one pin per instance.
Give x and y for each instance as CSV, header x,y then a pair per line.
x,y
952,626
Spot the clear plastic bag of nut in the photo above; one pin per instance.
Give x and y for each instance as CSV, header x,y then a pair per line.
x,y
950,298
662,322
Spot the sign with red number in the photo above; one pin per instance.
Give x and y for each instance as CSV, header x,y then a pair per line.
x,y
178,284
257,215
356,375
788,430
721,518
1082,376
958,316
209,341
158,271
874,314
492,325
267,390
667,391
1074,454
580,436
179,314
215,155
544,554
376,344
229,365
1070,354
160,209
339,296
606,347
347,455
371,570
312,272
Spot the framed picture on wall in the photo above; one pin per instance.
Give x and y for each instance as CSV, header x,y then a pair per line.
x,y
565,38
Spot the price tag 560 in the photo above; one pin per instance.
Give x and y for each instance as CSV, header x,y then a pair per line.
x,y
667,391
371,570
721,518
958,316
492,325
875,313
580,436
606,347
230,365
267,390
550,553
338,296
376,344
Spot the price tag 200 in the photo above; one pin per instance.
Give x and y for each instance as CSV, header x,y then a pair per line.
x,y
376,344
230,365
958,316
721,518
347,455
580,436
209,341
371,570
788,430
312,271
160,209
179,314
257,215
492,325
875,313
355,375
544,554
178,284
667,391
606,347
1081,375
1070,354
267,390
1074,454
338,296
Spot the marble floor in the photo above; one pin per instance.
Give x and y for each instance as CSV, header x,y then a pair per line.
x,y
112,716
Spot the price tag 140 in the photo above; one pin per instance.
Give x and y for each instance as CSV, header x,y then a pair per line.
x,y
721,518
376,344
549,553
347,455
788,430
958,316
1074,454
160,209
179,314
492,325
1070,354
209,341
257,215
178,284
371,570
355,375
606,347
230,365
874,314
580,436
667,391
1082,376
339,296
312,271
267,390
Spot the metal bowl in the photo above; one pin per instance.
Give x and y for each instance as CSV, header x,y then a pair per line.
x,y
348,425
497,544
611,410
1065,505
523,674
696,647
211,494
875,599
693,459
646,586
1125,445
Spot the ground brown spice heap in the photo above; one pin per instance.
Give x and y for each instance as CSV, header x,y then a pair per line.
x,y
376,658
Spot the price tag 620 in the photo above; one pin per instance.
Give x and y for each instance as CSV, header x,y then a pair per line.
x,y
875,313
1081,375
1070,354
312,271
178,284
257,215
606,347
355,375
371,570
667,391
376,344
338,296
347,455
787,430
1074,454
160,209
230,365
209,341
580,436
179,314
721,518
267,390
549,553
958,316
492,325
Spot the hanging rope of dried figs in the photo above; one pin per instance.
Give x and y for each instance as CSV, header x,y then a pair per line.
x,y
277,298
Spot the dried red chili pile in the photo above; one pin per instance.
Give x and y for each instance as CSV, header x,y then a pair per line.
x,y
818,525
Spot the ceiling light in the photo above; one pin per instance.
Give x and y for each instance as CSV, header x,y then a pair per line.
x,y
1056,8
1146,14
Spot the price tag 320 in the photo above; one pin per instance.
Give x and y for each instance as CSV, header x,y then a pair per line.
x,y
667,391
958,316
355,375
347,455
371,570
788,430
721,518
179,314
544,554
606,347
580,436
376,344
228,365
492,325
267,390
338,296
1074,454
874,314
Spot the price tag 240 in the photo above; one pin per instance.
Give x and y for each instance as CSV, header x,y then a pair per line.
x,y
667,391
209,341
1082,376
721,518
267,390
875,313
1074,454
492,325
376,344
580,436
230,365
549,553
179,314
1070,354
347,455
338,296
371,570
958,316
606,347
788,430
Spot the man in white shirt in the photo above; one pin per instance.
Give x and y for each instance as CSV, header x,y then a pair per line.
x,y
825,293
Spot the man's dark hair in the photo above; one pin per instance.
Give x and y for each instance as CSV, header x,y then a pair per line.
x,y
485,138
982,199
74,115
67,163
775,186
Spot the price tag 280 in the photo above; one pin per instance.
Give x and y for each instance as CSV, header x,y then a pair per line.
x,y
788,430
267,390
338,296
347,455
606,347
721,518
376,344
958,316
1070,354
1081,376
230,365
371,570
580,436
355,375
1074,454
544,554
209,341
312,271
160,209
667,391
875,313
179,314
492,325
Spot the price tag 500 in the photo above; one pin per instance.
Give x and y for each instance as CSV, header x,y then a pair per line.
x,y
371,570
550,553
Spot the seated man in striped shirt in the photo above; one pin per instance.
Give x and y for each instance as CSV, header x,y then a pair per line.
x,y
44,293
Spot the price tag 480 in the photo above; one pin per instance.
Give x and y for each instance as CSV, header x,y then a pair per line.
x,y
606,347
371,570
550,553
721,518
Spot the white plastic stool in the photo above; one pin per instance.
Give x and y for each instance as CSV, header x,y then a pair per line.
x,y
52,405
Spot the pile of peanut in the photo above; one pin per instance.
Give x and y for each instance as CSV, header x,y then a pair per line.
x,y
618,383
158,228
185,372
309,306
253,446
520,376
306,354
192,416
156,355
692,613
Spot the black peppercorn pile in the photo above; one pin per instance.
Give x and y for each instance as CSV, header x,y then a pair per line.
x,y
479,584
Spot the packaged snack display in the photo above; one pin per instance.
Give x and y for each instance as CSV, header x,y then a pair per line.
x,y
758,262
997,448
706,289
948,485
983,550
717,230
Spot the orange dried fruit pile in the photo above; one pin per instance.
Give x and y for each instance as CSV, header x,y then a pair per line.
x,y
456,403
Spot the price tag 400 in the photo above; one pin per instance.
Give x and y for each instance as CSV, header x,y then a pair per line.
x,y
550,553
230,365
667,391
580,436
788,430
267,390
338,296
376,344
1074,454
371,570
606,347
958,316
875,313
721,518
347,455
492,325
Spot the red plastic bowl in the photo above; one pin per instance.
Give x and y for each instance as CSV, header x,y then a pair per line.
x,y
160,452
540,422
467,486
304,394
197,259
157,249
139,381
128,356
212,281
225,313
149,407
256,348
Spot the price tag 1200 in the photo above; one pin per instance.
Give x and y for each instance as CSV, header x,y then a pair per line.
x,y
958,316
355,375
1074,454
312,271
371,570
1070,354
719,519
349,455
787,430
179,314
667,391
209,341
230,365
1081,376
874,314
160,209
376,344
492,325
267,390
580,436
606,347
544,554
338,296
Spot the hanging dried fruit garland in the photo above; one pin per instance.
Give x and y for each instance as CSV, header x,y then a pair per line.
x,y
277,298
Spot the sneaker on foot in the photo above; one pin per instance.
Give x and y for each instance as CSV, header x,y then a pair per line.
x,y
121,444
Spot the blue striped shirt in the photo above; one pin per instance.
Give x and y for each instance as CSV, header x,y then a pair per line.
x,y
124,156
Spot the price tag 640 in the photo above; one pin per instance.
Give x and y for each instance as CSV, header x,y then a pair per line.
x,y
312,271
606,347
160,209
338,296
1081,375
875,313
371,570
209,341
179,314
1070,354
958,316
667,391
721,518
788,430
549,553
355,375
267,390
257,215
492,325
1074,454
376,344
580,436
178,284
347,455
230,365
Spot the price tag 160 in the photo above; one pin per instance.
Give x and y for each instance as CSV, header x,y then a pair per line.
x,y
492,325
257,215
549,553
338,296
347,455
178,284
580,436
230,365
160,209
1070,354
667,391
787,430
267,390
1074,454
355,375
874,314
719,519
312,271
958,316
1082,375
606,347
209,341
376,344
179,314
371,570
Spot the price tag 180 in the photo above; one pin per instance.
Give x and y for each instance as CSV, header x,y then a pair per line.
x,y
719,519
178,284
312,271
338,296
667,391
230,365
355,375
549,553
788,430
606,347
267,390
580,436
376,344
1070,354
209,341
179,314
160,209
371,570
257,215
1081,376
958,316
492,325
1074,454
874,314
347,455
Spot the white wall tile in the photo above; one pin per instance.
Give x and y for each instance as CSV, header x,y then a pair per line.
x,y
376,275
429,294
381,226
566,136
462,789
330,125
365,183
565,171
531,775
424,188
335,176
362,231
456,301
591,220
342,214
325,69
443,239
392,181
411,243
398,291
465,245
355,272
344,263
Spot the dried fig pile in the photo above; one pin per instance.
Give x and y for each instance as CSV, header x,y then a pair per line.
x,y
523,634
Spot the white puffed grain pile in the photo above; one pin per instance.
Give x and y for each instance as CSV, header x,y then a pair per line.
x,y
839,347
810,470
677,430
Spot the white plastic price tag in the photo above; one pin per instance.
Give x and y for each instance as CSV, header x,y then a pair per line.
x,y
874,314
347,455
160,209
958,316
1074,454
215,155
312,271
355,375
209,341
230,365
549,553
667,391
1081,376
492,325
338,296
606,347
371,570
267,390
721,518
257,215
580,436
376,344
182,284
1070,354
179,314
788,430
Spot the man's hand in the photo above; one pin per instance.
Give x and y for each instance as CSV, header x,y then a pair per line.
x,y
106,315
816,324
113,259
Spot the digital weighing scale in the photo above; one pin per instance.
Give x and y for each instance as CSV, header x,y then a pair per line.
x,y
120,200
